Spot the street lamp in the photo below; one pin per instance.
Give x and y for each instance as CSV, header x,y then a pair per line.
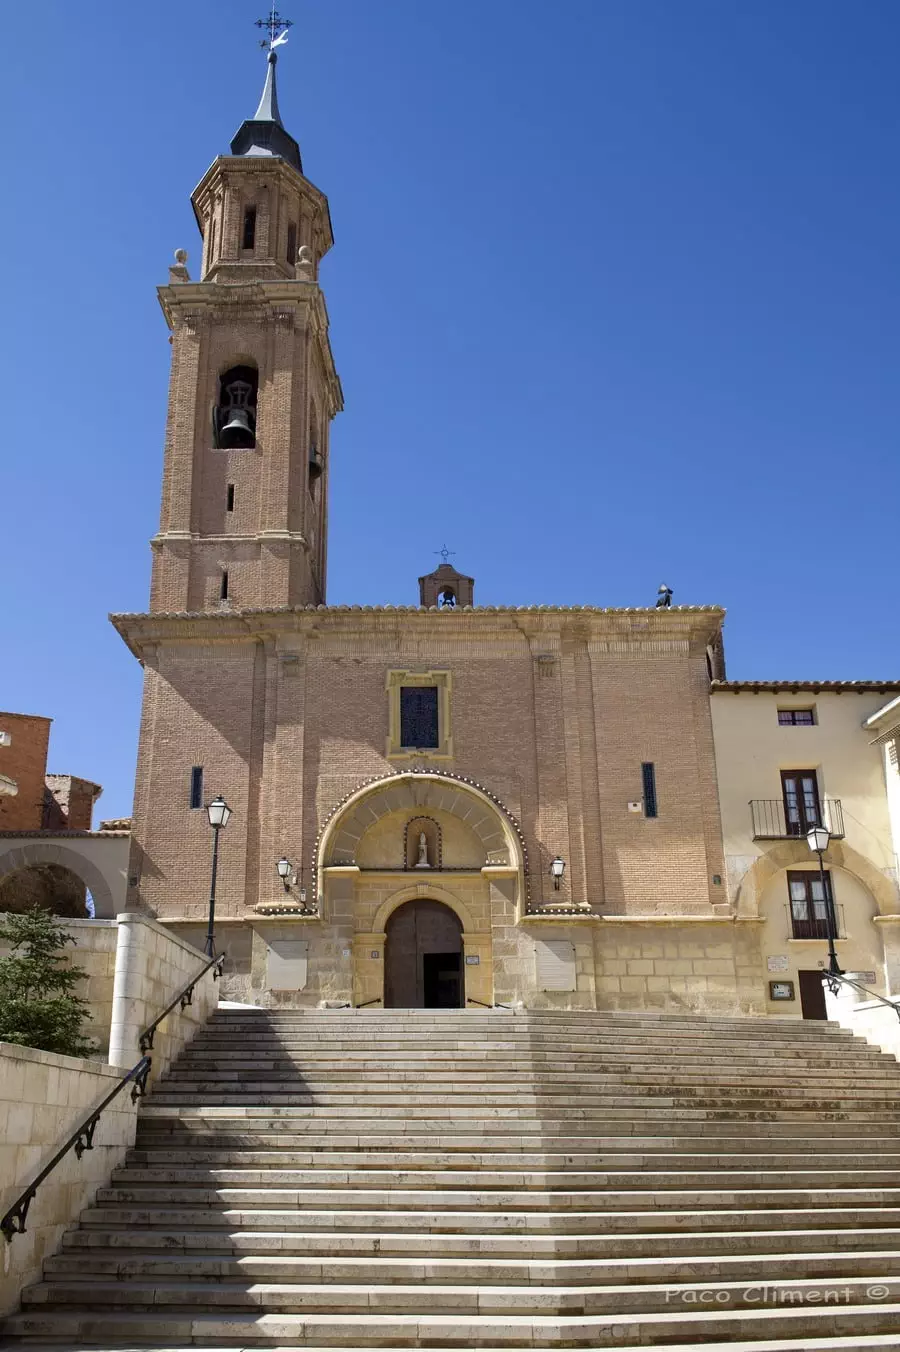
x,y
817,839
218,813
557,869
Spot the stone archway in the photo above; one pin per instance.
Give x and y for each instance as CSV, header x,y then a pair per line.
x,y
26,854
497,829
790,854
423,957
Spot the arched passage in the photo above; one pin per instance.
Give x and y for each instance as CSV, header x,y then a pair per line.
x,y
100,862
423,957
51,887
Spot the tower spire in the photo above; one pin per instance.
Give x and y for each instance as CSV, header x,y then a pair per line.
x,y
264,133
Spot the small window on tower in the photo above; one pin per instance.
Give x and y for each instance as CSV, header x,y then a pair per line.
x,y
248,235
229,498
223,588
197,786
292,244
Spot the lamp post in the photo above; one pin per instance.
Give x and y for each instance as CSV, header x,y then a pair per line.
x,y
218,813
817,839
557,869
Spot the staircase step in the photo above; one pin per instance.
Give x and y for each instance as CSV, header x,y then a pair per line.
x,y
508,1179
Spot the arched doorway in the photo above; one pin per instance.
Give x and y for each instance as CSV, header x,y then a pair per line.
x,y
423,965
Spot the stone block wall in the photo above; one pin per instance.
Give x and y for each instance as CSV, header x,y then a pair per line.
x,y
43,1098
152,966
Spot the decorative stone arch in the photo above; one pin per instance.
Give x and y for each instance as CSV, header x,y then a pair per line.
x,y
30,853
417,791
423,892
792,853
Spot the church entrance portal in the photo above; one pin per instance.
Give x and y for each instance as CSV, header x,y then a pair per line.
x,y
423,964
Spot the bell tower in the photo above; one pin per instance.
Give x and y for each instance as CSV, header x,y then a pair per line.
x,y
253,387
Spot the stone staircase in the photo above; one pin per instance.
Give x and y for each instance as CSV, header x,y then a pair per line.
x,y
357,1179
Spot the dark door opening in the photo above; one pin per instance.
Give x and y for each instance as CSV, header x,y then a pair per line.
x,y
812,995
423,967
441,978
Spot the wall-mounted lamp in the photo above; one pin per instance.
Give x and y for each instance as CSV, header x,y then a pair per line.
x,y
289,877
557,869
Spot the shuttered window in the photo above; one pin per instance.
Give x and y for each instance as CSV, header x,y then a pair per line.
x,y
419,716
555,964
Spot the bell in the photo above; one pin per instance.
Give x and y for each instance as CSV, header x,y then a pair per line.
x,y
237,432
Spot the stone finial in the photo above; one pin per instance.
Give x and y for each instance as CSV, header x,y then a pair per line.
x,y
178,270
303,268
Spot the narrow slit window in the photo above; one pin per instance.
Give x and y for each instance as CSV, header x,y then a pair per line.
x,y
197,786
248,236
292,244
223,588
648,775
229,498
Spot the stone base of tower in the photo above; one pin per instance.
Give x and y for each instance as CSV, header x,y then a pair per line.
x,y
665,966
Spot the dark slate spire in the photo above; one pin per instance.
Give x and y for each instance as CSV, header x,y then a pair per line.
x,y
264,134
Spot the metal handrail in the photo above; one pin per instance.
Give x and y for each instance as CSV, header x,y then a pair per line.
x,y
365,1004
470,1000
873,995
184,998
82,1139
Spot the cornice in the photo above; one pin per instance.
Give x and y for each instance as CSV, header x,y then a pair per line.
x,y
863,687
658,633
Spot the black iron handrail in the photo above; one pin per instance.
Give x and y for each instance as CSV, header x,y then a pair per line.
x,y
365,1004
470,1000
82,1139
184,998
845,980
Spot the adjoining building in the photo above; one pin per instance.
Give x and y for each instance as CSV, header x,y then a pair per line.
x,y
792,755
50,855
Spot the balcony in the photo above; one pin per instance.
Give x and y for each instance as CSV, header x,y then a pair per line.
x,y
814,927
770,821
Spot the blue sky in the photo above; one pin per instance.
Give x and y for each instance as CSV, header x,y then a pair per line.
x,y
614,299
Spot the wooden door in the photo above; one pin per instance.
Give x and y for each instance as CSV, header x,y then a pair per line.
x,y
800,792
812,995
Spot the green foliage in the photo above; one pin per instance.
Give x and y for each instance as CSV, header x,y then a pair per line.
x,y
38,1007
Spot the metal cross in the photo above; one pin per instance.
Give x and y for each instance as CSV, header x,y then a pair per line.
x,y
276,26
445,553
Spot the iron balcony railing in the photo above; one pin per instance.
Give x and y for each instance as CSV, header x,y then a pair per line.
x,y
772,821
815,927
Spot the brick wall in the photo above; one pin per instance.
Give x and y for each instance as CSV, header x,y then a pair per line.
x,y
25,762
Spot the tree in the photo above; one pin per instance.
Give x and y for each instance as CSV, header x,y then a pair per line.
x,y
38,1007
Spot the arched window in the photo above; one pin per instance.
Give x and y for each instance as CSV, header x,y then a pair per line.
x,y
447,599
234,415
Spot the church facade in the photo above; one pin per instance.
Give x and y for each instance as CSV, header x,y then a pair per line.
x,y
432,804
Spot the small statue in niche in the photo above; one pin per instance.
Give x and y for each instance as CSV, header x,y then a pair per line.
x,y
422,861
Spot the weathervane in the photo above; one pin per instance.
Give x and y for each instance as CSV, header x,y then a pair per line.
x,y
445,553
277,30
